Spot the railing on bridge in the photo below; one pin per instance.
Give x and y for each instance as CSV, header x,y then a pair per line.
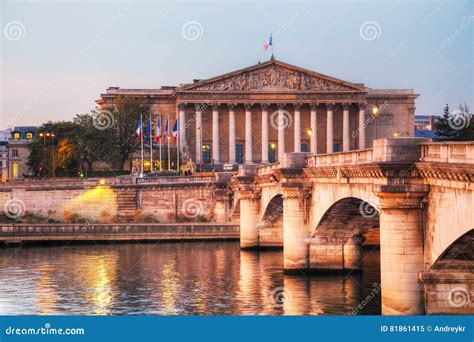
x,y
341,158
176,179
448,152
268,168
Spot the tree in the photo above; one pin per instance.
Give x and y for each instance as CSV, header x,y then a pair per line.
x,y
126,115
457,125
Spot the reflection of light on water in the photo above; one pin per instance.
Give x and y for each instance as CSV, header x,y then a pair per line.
x,y
47,297
97,277
102,296
170,287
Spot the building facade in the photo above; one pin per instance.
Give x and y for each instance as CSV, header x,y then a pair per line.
x,y
14,152
256,114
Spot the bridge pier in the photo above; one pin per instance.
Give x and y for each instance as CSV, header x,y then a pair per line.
x,y
401,252
295,230
249,210
336,254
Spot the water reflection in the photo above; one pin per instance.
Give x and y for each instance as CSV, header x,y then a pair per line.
x,y
174,279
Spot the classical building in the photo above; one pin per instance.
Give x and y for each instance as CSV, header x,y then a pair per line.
x,y
14,152
256,114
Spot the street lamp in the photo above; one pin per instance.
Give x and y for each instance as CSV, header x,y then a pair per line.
x,y
375,111
45,135
309,132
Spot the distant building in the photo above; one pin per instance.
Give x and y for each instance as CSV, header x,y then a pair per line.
x,y
425,126
17,152
425,122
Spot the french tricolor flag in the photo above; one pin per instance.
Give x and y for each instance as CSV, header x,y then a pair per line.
x,y
139,129
175,130
268,43
158,130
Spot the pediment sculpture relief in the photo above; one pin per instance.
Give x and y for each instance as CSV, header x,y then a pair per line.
x,y
272,78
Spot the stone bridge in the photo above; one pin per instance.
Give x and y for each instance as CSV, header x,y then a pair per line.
x,y
415,196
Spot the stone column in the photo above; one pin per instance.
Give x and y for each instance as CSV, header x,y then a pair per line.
x,y
264,133
231,134
182,126
401,252
248,134
353,253
198,134
314,130
281,131
345,127
295,230
361,126
297,133
215,134
249,211
329,129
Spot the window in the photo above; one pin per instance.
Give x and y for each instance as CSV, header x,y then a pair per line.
x,y
336,147
15,170
239,153
304,147
29,135
1,164
206,154
271,152
14,153
16,135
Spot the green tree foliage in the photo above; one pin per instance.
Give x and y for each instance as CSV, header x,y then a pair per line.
x,y
457,125
103,135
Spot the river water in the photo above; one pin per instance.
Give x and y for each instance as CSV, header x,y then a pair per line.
x,y
210,278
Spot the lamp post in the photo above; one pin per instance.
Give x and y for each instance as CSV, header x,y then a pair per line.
x,y
45,135
375,111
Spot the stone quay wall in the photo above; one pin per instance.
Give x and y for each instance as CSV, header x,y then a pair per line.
x,y
121,199
20,233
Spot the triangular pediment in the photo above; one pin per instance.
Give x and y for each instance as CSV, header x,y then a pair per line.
x,y
274,76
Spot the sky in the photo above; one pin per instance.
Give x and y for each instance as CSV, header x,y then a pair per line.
x,y
57,57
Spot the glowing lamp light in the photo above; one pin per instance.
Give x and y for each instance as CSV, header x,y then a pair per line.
x,y
102,182
396,134
309,132
273,146
375,108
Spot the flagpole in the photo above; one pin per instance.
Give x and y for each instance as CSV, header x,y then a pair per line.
x,y
141,139
271,41
168,140
177,145
161,138
151,145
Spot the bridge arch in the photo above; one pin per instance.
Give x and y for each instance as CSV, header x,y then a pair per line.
x,y
324,196
271,224
337,241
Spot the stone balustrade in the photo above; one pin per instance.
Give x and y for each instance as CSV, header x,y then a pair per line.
x,y
341,158
176,179
268,168
448,152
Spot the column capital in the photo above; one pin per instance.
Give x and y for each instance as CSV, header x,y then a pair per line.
x,y
215,106
199,106
231,106
264,106
281,105
297,105
314,106
361,105
248,106
346,106
181,106
330,106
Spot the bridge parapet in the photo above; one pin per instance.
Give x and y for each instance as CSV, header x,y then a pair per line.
x,y
448,152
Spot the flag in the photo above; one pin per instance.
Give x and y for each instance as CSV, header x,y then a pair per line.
x,y
139,129
158,130
148,130
175,130
268,43
166,128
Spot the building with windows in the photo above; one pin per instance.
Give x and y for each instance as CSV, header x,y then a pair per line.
x,y
255,114
15,152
